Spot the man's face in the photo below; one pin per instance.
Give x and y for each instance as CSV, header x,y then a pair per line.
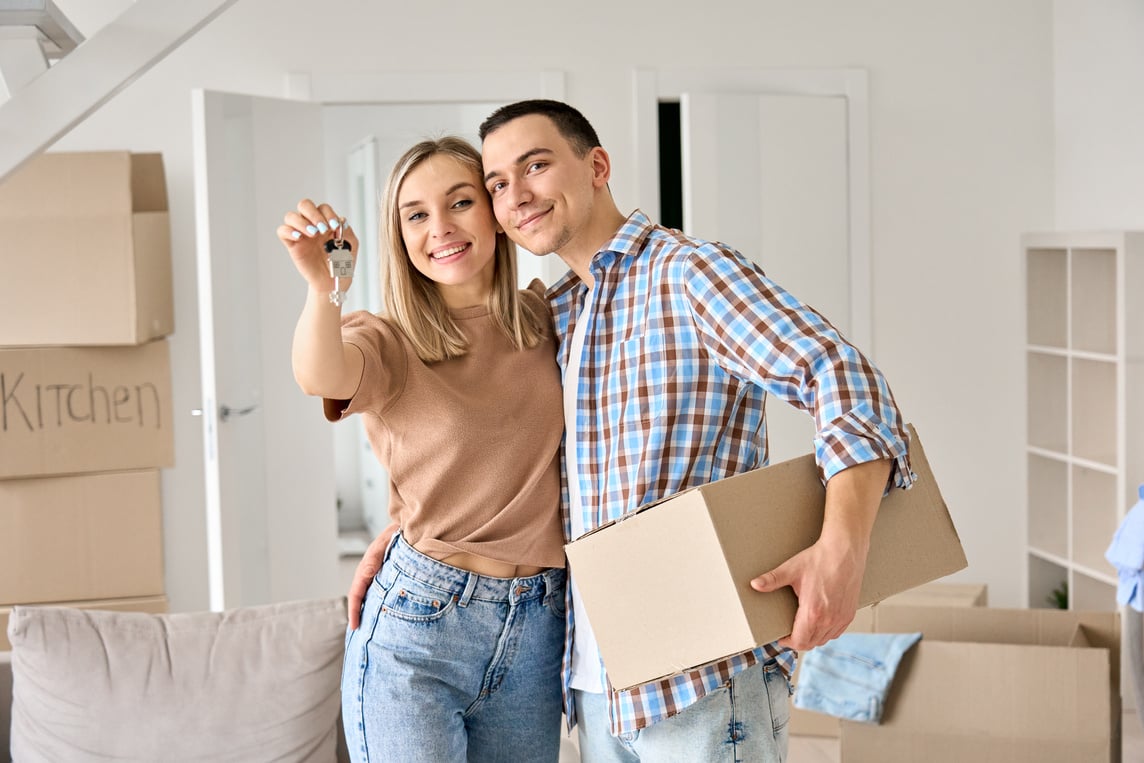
x,y
542,191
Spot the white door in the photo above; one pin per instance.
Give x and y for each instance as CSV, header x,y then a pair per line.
x,y
272,524
768,175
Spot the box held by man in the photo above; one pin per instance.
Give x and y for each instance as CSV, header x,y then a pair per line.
x,y
691,558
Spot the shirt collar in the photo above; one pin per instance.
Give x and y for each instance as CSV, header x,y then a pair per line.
x,y
627,241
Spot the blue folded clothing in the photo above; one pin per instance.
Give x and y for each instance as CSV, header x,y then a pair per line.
x,y
1126,554
850,676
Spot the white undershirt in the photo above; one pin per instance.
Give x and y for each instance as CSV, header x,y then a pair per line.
x,y
585,651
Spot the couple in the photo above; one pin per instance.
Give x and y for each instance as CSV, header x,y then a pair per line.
x,y
650,363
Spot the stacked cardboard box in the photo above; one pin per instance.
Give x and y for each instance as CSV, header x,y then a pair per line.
x,y
85,381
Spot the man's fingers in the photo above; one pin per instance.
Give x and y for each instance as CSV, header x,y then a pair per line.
x,y
771,581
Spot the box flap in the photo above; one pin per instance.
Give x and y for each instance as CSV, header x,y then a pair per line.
x,y
941,684
148,183
1040,627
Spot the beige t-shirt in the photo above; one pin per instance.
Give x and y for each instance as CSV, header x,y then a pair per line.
x,y
471,444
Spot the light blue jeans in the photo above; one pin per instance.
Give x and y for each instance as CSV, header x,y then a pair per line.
x,y
850,676
744,721
450,666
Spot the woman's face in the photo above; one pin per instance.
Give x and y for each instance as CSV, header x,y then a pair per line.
x,y
449,230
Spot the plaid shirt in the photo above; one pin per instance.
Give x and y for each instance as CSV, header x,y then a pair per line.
x,y
685,339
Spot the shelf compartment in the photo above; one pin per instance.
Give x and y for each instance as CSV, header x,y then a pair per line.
x,y
1088,594
1094,400
1047,297
1048,505
1047,402
1095,515
1094,304
1044,578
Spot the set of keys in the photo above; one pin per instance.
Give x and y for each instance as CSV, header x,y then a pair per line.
x,y
340,256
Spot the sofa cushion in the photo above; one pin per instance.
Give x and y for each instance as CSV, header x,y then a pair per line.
x,y
251,684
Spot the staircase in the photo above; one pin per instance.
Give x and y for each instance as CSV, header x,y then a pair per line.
x,y
51,78
31,33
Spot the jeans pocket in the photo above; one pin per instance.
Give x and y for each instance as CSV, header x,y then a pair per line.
x,y
778,697
416,601
556,602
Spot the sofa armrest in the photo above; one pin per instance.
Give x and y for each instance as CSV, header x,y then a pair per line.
x,y
5,705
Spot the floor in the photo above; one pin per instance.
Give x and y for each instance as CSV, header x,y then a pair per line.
x,y
805,749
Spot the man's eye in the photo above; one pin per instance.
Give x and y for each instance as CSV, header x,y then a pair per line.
x,y
496,187
537,166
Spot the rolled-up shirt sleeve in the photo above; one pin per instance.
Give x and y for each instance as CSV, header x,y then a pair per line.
x,y
761,333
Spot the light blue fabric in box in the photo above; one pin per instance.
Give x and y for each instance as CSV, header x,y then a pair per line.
x,y
850,676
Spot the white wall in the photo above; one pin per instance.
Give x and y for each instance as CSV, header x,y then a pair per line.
x,y
962,152
1098,114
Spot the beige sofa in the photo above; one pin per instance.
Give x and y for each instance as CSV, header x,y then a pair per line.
x,y
257,683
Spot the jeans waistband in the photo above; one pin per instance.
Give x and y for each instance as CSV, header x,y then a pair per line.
x,y
469,585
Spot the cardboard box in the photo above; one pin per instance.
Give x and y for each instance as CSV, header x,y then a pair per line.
x,y
85,258
692,556
997,686
940,594
809,723
95,536
149,604
85,409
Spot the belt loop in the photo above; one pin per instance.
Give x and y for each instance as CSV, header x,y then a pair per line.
x,y
470,587
389,548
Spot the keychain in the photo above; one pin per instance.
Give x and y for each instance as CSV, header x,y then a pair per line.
x,y
341,263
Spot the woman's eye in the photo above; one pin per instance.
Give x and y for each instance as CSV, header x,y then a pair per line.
x,y
463,203
416,216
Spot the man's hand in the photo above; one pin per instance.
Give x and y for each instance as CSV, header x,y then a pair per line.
x,y
826,582
367,568
827,576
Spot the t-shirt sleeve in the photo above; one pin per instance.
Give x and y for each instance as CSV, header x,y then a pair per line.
x,y
384,368
535,299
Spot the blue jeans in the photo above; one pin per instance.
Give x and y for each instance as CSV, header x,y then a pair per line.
x,y
450,666
744,721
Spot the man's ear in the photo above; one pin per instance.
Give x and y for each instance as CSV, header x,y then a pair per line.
x,y
601,166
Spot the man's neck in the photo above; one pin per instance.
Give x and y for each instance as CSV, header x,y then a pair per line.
x,y
578,254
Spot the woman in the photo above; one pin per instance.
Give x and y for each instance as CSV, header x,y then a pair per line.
x,y
458,653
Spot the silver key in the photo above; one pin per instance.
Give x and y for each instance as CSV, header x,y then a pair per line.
x,y
341,266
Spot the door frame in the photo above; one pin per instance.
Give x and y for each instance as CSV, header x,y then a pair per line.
x,y
650,86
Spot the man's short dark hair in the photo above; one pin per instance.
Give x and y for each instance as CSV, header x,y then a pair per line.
x,y
575,128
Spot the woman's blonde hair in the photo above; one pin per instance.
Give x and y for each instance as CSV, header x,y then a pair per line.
x,y
413,301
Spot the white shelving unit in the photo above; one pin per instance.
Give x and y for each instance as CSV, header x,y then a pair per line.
x,y
1085,436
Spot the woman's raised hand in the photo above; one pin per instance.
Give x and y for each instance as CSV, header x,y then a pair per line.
x,y
305,231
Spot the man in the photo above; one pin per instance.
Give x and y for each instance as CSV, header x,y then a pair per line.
x,y
669,347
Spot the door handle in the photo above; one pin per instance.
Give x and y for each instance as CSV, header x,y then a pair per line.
x,y
225,412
